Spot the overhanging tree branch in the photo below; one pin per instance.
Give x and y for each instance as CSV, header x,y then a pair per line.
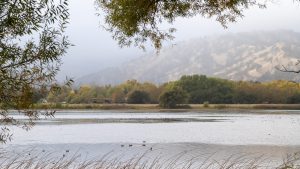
x,y
24,68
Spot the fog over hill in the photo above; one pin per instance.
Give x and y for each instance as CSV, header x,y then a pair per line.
x,y
240,56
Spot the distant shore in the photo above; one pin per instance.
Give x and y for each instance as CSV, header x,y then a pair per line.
x,y
64,106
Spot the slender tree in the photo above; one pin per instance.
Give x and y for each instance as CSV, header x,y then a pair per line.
x,y
32,42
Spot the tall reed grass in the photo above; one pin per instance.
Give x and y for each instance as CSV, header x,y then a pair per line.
x,y
43,160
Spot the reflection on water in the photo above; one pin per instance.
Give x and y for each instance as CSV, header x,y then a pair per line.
x,y
215,127
122,120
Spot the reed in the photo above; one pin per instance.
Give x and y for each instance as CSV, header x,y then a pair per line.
x,y
33,160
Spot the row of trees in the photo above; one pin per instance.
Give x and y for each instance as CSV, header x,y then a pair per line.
x,y
194,89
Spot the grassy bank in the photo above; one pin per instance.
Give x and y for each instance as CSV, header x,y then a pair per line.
x,y
156,106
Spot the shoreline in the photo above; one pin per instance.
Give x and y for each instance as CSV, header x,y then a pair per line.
x,y
155,107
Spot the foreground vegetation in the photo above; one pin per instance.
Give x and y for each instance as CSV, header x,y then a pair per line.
x,y
194,89
44,160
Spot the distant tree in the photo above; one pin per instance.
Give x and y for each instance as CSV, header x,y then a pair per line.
x,y
40,95
198,88
201,88
295,99
118,96
32,42
153,91
83,95
244,97
138,97
173,97
60,95
248,93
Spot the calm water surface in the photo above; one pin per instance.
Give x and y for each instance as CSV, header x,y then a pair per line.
x,y
280,128
216,135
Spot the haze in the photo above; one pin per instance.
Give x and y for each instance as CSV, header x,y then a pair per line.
x,y
95,49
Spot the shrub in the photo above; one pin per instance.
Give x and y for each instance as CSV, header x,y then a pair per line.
x,y
173,97
294,99
58,105
206,104
138,97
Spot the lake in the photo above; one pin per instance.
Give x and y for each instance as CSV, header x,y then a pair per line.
x,y
222,133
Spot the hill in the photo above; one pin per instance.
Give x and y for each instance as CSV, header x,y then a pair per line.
x,y
241,56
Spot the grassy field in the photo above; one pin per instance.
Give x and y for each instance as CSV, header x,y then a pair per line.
x,y
156,106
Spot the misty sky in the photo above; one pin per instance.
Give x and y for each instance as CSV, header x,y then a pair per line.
x,y
94,48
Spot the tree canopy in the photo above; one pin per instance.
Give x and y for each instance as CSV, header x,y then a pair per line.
x,y
173,97
32,42
136,21
138,97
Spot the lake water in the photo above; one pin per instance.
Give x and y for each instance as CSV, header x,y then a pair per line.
x,y
238,128
270,132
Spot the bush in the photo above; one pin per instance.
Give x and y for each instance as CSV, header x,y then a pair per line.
x,y
206,104
138,97
58,105
295,99
173,97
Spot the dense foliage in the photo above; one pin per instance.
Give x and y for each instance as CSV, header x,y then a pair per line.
x,y
138,97
194,89
201,89
136,21
173,97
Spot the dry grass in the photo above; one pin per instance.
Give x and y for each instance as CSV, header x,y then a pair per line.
x,y
248,106
49,161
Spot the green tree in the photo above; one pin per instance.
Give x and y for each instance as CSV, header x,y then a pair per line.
x,y
138,97
153,91
173,97
61,95
39,95
32,42
294,99
83,95
201,88
118,95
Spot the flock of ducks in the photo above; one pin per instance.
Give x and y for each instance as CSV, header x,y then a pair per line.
x,y
130,145
122,145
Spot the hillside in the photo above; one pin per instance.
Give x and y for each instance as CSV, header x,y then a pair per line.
x,y
241,56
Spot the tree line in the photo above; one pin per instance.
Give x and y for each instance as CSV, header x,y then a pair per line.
x,y
189,89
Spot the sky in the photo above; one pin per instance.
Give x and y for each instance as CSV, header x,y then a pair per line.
x,y
94,49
